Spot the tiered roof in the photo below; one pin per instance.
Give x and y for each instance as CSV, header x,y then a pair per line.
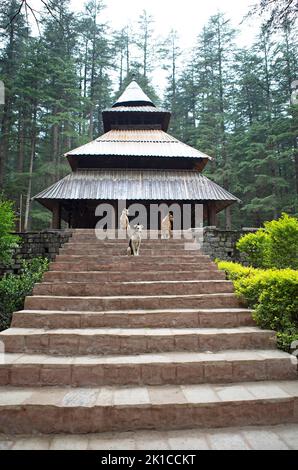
x,y
136,159
146,185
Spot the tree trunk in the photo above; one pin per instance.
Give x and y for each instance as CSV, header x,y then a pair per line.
x,y
55,131
85,86
20,143
267,77
29,190
228,218
296,164
92,80
127,53
4,140
121,68
145,52
221,97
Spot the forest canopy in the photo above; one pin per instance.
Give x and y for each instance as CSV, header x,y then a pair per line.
x,y
237,104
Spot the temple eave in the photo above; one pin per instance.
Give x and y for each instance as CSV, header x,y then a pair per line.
x,y
133,184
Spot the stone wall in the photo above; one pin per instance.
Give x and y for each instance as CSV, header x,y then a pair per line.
x,y
33,244
221,244
217,244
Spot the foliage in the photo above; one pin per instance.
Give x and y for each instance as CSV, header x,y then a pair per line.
x,y
273,294
276,246
283,235
7,225
285,340
14,288
235,271
276,13
255,247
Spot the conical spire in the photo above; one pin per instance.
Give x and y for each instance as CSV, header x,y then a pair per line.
x,y
133,95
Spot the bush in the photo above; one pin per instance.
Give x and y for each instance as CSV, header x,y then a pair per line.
x,y
7,225
14,288
273,294
235,271
255,246
284,340
283,235
275,246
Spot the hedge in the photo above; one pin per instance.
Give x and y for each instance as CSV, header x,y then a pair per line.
x,y
273,294
14,288
274,246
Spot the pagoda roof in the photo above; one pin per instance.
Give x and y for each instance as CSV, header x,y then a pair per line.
x,y
128,184
135,109
137,143
133,95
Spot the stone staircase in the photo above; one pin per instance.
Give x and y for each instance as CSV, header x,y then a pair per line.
x,y
115,343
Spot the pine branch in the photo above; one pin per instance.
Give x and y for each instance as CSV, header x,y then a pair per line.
x,y
34,15
45,3
16,14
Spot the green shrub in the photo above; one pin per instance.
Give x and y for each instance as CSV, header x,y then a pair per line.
x,y
285,340
7,225
235,271
283,236
273,294
14,288
255,247
275,246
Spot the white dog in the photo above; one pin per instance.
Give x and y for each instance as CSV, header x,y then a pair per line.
x,y
166,226
124,221
135,241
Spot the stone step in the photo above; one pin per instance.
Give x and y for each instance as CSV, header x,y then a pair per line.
x,y
178,318
160,245
175,368
130,276
147,240
101,257
156,234
134,340
133,288
103,303
277,437
90,248
100,409
130,264
122,251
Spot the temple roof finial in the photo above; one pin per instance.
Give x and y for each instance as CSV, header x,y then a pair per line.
x,y
133,95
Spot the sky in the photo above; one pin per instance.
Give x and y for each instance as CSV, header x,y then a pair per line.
x,y
186,16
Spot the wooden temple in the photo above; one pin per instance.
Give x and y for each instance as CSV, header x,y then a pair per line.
x,y
136,161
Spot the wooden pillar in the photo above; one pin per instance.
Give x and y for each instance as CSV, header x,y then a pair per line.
x,y
211,214
228,218
56,216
